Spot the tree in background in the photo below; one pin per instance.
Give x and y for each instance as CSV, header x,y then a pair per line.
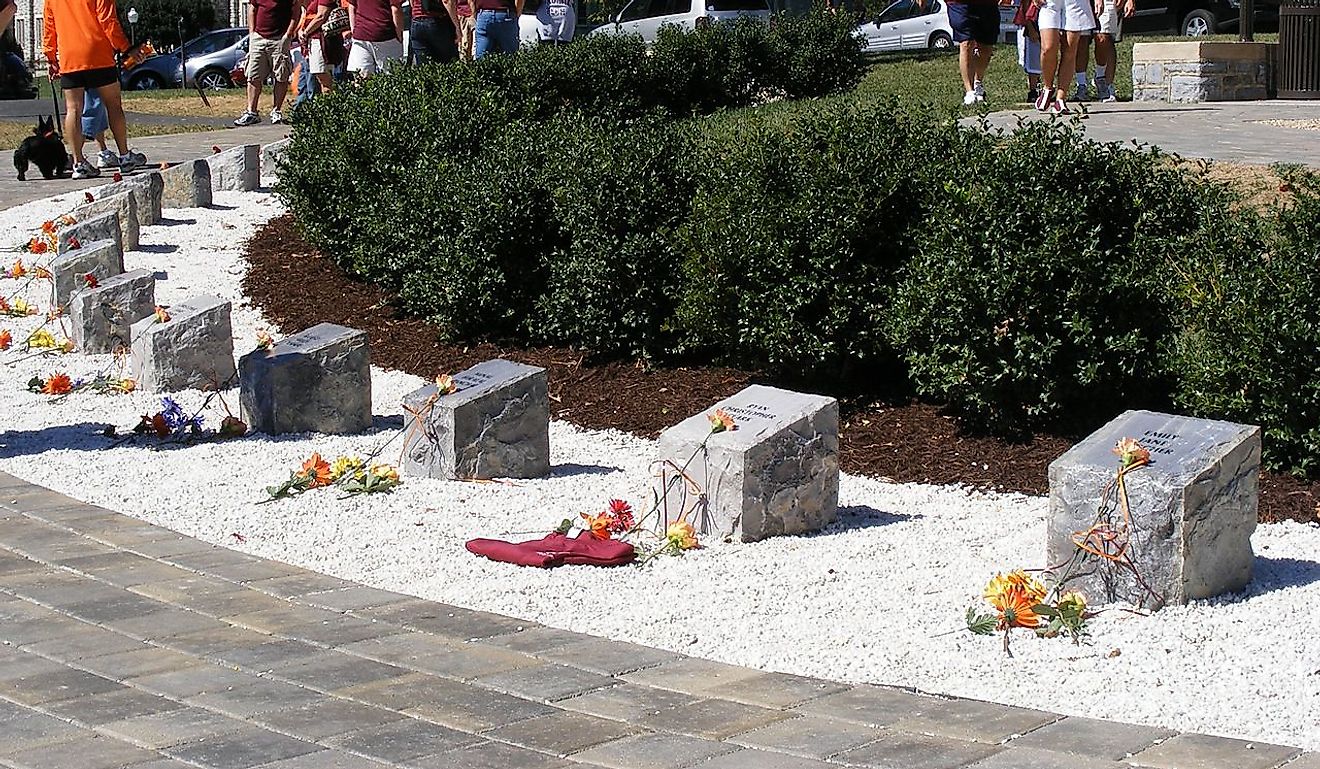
x,y
158,20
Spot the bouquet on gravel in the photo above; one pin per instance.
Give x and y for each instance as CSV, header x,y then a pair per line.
x,y
350,474
61,384
1022,601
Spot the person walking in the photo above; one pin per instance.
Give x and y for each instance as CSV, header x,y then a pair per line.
x,y
1109,30
467,30
555,21
434,32
377,27
95,122
1028,45
271,25
320,54
975,29
81,40
496,27
1063,23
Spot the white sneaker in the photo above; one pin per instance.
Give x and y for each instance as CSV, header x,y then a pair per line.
x,y
969,98
275,117
246,119
1105,92
85,170
107,159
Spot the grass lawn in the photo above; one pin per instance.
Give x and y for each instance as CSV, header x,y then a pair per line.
x,y
13,132
932,79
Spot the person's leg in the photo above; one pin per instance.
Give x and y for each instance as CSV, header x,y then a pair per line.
x,y
966,68
282,70
73,105
481,39
982,63
114,110
1051,49
1081,57
100,142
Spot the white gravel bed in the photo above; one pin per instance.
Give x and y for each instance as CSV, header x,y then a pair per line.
x,y
873,598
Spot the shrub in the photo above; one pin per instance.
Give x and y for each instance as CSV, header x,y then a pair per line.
x,y
1037,297
1248,348
797,229
617,194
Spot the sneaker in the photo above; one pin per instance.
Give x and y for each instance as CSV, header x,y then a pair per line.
x,y
131,160
247,119
1032,95
969,98
275,117
84,170
1104,91
107,159
1059,106
1042,100
1081,93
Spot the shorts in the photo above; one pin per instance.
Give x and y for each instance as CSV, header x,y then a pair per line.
x,y
1028,54
370,58
267,58
1110,23
89,78
467,37
1068,15
94,117
974,21
315,61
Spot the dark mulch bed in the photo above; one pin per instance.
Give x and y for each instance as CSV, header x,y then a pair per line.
x,y
297,287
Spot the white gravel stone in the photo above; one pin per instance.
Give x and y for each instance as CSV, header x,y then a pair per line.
x,y
878,596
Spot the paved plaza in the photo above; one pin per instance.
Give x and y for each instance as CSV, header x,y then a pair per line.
x,y
129,645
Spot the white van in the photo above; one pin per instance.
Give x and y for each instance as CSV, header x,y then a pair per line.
x,y
645,17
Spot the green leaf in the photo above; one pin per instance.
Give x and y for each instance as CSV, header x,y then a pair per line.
x,y
981,624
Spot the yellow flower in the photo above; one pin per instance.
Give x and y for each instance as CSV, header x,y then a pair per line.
x,y
343,466
161,315
67,346
1014,580
42,339
385,472
1073,599
264,340
445,384
1131,453
681,535
127,385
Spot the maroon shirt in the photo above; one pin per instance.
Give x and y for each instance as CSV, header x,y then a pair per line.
x,y
373,22
271,18
313,7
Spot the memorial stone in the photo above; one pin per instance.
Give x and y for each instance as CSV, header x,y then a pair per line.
x,y
495,425
1193,509
776,473
194,348
237,168
122,204
147,189
97,227
318,380
272,155
187,185
103,317
70,269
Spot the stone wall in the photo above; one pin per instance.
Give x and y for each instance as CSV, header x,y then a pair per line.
x,y
1195,72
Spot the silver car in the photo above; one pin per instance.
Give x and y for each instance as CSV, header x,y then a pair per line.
x,y
210,59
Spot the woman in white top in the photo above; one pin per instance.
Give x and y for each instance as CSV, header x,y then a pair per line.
x,y
1063,26
556,20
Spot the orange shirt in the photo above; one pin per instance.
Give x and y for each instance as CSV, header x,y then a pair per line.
x,y
83,33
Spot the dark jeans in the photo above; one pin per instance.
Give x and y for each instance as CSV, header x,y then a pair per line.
x,y
497,32
432,40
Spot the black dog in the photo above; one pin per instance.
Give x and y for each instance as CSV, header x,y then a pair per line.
x,y
44,149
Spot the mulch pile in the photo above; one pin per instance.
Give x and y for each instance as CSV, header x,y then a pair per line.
x,y
297,287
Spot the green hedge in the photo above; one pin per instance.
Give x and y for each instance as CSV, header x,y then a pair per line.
x,y
583,196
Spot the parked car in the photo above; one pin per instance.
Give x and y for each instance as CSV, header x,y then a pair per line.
x,y
1194,18
211,57
906,25
645,17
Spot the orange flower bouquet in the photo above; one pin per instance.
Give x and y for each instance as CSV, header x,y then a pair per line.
x,y
351,474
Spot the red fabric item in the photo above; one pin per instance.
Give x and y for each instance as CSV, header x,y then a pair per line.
x,y
556,550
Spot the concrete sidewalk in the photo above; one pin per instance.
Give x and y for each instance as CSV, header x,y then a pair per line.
x,y
129,645
1227,131
172,148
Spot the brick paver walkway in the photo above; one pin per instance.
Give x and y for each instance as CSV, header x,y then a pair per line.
x,y
1226,131
126,644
